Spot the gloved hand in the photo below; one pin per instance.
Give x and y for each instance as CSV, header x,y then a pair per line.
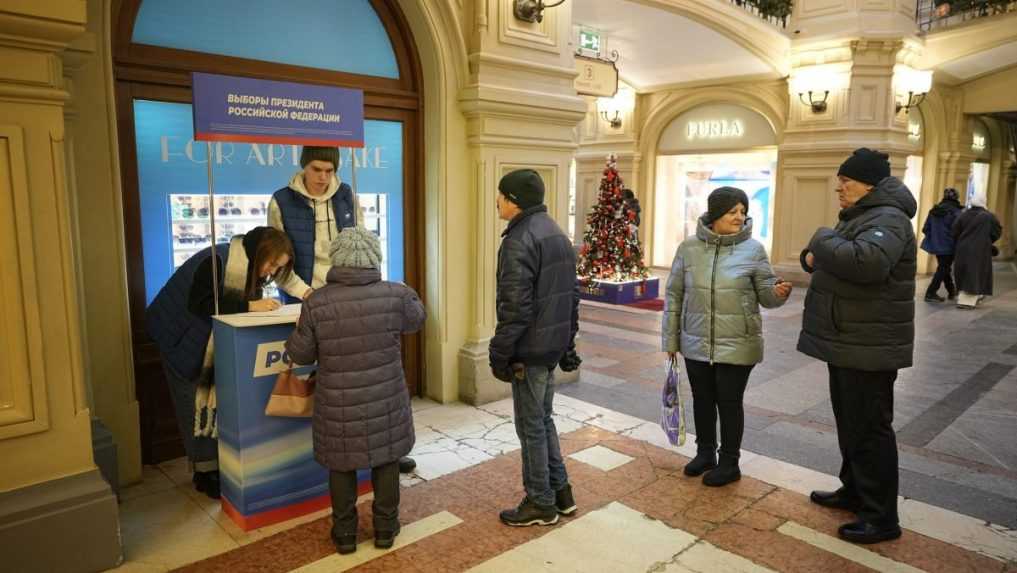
x,y
503,373
570,361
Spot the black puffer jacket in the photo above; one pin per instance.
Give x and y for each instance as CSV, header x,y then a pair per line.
x,y
538,296
860,306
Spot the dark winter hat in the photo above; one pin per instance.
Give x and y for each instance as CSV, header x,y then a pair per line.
x,y
524,187
866,166
722,200
311,153
951,194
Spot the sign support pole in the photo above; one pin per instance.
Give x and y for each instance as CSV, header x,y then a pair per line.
x,y
211,223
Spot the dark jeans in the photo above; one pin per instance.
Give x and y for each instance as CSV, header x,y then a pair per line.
x,y
718,387
543,468
863,407
202,452
343,488
944,274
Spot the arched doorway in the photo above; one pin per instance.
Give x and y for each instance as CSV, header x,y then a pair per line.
x,y
706,147
363,44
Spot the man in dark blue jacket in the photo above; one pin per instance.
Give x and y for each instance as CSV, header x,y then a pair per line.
x,y
938,241
538,317
860,319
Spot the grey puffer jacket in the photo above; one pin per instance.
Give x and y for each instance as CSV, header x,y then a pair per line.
x,y
352,328
860,307
711,304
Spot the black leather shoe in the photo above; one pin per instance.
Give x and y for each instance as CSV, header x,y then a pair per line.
x,y
407,465
385,539
704,461
934,298
835,499
345,544
529,513
207,483
865,533
564,502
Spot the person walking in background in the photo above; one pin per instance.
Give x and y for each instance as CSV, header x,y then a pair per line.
x,y
938,241
975,231
179,320
630,199
719,279
362,417
538,318
859,318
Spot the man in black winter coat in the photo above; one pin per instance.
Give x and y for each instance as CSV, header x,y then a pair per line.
x,y
859,319
538,317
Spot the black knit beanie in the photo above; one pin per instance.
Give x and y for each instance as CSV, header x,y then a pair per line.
x,y
311,153
722,200
524,187
866,166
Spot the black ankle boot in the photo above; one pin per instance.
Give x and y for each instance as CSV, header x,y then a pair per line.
x,y
727,472
705,460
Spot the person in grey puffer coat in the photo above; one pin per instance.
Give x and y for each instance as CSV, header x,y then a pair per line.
x,y
362,417
859,318
718,280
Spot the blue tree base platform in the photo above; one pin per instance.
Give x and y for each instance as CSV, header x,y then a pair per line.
x,y
623,292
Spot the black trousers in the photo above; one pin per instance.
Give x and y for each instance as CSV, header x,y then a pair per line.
x,y
863,406
343,488
944,274
718,387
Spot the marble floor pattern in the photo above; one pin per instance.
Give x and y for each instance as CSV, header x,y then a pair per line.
x,y
955,410
637,512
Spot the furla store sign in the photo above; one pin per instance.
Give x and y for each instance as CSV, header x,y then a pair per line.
x,y
716,127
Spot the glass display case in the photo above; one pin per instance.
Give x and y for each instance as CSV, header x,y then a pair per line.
x,y
191,226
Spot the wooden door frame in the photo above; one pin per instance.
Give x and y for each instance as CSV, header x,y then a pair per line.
x,y
164,74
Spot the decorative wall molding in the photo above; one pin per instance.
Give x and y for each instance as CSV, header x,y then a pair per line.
x,y
23,393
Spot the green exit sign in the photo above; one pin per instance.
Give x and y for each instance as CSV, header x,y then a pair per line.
x,y
589,40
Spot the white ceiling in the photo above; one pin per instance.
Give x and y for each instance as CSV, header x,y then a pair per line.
x,y
982,63
659,48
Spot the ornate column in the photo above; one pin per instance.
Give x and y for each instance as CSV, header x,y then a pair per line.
x,y
521,112
56,511
859,113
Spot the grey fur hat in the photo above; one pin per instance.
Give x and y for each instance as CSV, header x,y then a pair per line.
x,y
357,248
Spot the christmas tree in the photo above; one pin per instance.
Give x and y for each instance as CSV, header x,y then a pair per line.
x,y
611,250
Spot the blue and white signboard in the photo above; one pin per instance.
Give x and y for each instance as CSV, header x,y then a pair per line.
x,y
230,108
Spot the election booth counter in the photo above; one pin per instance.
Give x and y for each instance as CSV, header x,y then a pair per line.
x,y
266,463
267,468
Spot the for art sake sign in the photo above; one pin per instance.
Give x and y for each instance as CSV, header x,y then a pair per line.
x,y
230,108
172,162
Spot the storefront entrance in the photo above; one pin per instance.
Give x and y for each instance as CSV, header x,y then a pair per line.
x,y
362,44
705,148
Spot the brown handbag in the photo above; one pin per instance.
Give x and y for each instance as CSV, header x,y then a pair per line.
x,y
292,396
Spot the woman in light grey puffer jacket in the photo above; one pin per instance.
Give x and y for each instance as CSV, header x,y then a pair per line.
x,y
711,316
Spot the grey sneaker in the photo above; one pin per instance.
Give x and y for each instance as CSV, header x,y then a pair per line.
x,y
564,502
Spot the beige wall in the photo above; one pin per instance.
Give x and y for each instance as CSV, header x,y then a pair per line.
x,y
45,428
94,174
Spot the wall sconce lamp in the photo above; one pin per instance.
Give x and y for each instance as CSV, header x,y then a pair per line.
x,y
911,86
532,10
812,81
612,108
818,105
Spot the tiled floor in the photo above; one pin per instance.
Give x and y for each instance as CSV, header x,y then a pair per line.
x,y
954,410
637,513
